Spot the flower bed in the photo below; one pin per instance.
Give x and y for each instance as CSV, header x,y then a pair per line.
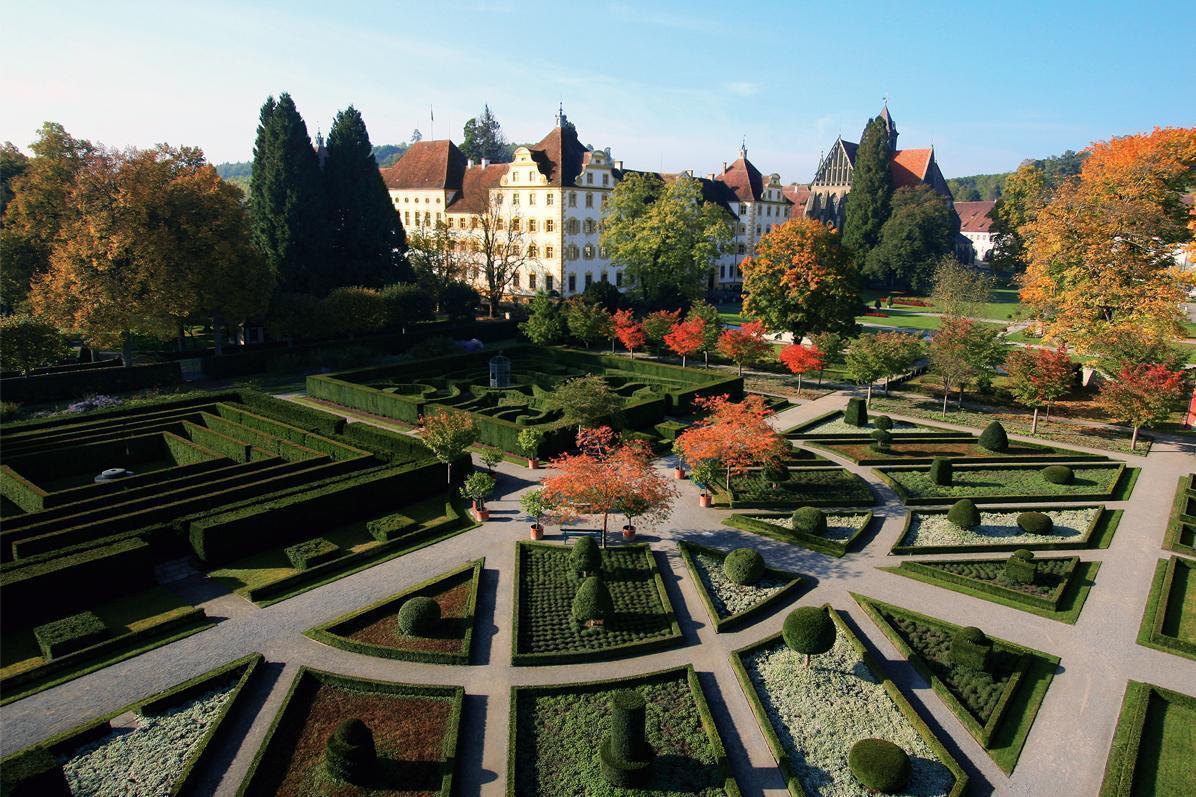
x,y
931,532
556,731
832,425
1181,529
1152,746
996,705
545,631
1169,622
842,530
414,727
734,605
812,716
374,630
822,487
923,452
1004,484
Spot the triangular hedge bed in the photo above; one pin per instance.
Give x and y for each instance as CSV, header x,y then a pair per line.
x,y
775,588
768,525
996,707
374,631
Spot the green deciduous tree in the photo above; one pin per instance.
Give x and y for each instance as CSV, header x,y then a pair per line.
x,y
436,260
712,328
1024,195
589,322
29,343
871,191
962,351
544,324
584,400
920,229
959,290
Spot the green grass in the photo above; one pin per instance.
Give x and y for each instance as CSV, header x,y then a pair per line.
x,y
1070,603
999,482
1175,630
1151,753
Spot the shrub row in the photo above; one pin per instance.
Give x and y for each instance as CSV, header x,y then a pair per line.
x,y
307,418
1116,486
310,553
1047,602
69,634
387,445
112,416
1181,528
315,441
812,541
232,448
90,457
74,384
265,441
1085,540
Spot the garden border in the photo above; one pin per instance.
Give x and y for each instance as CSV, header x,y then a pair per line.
x,y
1100,529
1120,489
810,541
797,582
1122,762
1150,632
1173,538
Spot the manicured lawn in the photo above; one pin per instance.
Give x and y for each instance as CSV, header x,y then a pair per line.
x,y
1003,483
546,631
1152,747
803,487
1169,622
556,732
732,605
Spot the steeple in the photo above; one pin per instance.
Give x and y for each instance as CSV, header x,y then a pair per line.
x,y
321,152
743,148
561,119
890,124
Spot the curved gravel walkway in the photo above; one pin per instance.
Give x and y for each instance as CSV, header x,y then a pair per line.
x,y
1098,654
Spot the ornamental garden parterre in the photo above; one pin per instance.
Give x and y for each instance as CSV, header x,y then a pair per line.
x,y
323,594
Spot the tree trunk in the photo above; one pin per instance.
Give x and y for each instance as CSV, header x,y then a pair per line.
x,y
1134,439
605,515
799,385
1047,417
449,470
126,348
682,360
946,394
741,369
612,345
1034,423
886,386
182,337
960,403
706,357
807,661
868,401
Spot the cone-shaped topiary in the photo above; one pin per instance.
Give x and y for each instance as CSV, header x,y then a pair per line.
x,y
971,649
882,440
856,413
963,513
625,755
1058,474
585,555
1021,567
418,615
775,473
879,765
941,471
883,422
744,566
993,438
809,630
592,605
351,756
809,520
1035,523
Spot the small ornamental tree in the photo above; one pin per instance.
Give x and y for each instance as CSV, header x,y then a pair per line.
x,y
589,322
448,435
629,331
687,338
962,351
544,324
529,440
864,362
592,604
535,506
490,457
744,345
809,630
1039,377
736,435
585,556
1143,395
584,400
477,487
713,326
800,361
832,345
657,325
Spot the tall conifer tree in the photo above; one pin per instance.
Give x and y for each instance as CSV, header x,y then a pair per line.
x,y
366,231
871,191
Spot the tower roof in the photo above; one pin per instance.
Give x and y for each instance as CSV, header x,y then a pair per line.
x,y
743,178
435,164
559,155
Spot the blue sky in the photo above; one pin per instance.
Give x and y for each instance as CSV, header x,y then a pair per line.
x,y
665,85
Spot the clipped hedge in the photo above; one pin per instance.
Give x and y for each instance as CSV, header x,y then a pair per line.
x,y
310,553
76,632
751,614
74,384
815,542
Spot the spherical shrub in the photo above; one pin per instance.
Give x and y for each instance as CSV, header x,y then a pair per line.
x,y
809,520
883,422
879,765
1035,523
993,438
351,755
585,556
941,471
963,513
418,616
592,603
744,566
809,630
1058,474
882,441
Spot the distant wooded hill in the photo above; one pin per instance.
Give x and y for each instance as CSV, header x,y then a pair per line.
x,y
240,172
1056,169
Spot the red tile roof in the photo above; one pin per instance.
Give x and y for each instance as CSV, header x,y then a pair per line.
x,y
427,165
744,180
559,156
475,188
975,216
908,166
798,195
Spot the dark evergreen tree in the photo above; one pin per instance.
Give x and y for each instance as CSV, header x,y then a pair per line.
x,y
484,139
920,230
871,191
287,202
365,228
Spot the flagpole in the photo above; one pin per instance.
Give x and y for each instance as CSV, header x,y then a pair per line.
x,y
432,120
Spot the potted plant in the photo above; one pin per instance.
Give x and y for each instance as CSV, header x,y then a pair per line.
x,y
632,506
477,488
704,473
529,440
490,457
679,470
536,506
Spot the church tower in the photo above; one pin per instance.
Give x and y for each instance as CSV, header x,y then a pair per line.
x,y
890,125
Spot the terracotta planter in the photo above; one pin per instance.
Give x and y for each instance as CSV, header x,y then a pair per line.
x,y
679,473
482,514
533,464
473,503
704,500
629,532
537,531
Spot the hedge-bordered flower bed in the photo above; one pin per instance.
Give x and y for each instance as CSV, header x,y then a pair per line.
x,y
1172,591
843,529
996,708
544,629
1181,529
812,716
415,732
1165,765
805,487
373,630
906,452
831,426
555,732
928,531
732,605
1008,484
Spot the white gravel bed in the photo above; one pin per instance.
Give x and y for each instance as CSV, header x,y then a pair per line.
x,y
145,760
997,527
837,425
839,528
820,712
730,598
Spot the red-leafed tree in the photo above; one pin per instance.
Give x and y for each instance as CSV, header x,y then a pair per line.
x,y
743,345
607,476
800,360
735,435
1039,377
687,338
629,331
1143,395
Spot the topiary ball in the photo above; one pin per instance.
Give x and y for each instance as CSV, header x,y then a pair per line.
x,y
963,513
351,756
856,413
809,630
585,556
1035,523
883,422
941,471
809,520
744,566
1058,474
879,765
418,616
881,440
592,602
993,438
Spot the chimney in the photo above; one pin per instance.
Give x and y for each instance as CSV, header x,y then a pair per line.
x,y
469,164
711,177
724,166
485,162
619,165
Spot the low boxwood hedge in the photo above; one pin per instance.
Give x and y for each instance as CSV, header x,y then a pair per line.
x,y
1097,535
75,632
310,553
811,541
1172,589
1130,769
1181,528
1118,489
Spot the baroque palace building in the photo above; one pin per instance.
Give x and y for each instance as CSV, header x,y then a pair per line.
x,y
554,194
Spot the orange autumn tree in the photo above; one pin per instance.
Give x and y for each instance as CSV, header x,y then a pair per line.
x,y
743,345
607,476
734,436
629,331
687,338
800,360
1100,255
